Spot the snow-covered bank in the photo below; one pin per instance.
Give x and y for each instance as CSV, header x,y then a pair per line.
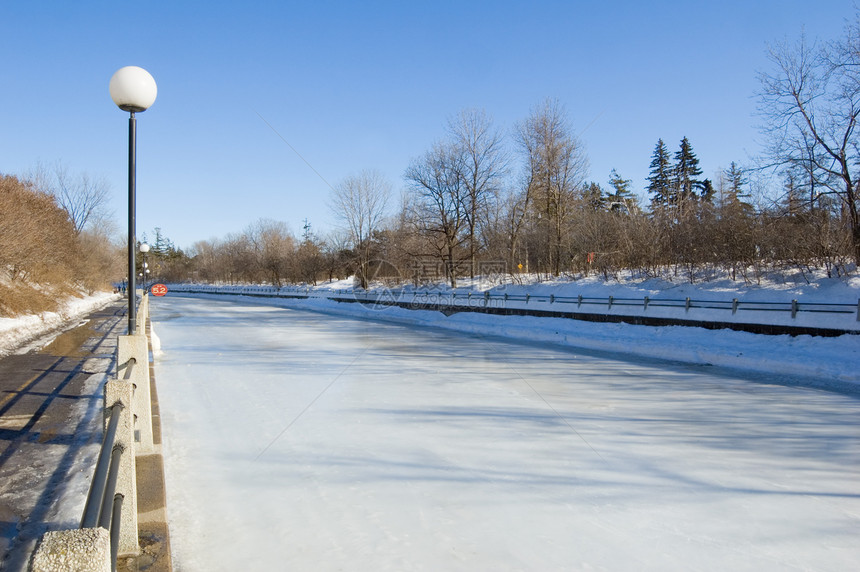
x,y
823,306
800,359
15,332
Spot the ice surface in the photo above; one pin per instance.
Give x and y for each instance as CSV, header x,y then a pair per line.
x,y
830,361
303,441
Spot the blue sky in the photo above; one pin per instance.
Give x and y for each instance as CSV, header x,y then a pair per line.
x,y
363,85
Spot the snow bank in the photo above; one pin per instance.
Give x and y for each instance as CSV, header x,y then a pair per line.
x,y
15,332
819,305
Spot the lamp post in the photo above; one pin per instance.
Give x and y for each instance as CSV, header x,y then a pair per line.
x,y
132,89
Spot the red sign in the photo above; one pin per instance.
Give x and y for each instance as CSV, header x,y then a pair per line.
x,y
159,289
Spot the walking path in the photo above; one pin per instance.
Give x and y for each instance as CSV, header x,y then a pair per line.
x,y
50,430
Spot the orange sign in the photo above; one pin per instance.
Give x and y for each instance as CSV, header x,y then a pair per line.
x,y
158,289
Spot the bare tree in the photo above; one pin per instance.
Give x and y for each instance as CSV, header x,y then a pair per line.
x,y
483,165
811,103
513,210
338,256
83,197
273,246
556,166
359,202
310,256
205,255
236,255
440,204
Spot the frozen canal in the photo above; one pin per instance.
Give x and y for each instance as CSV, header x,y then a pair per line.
x,y
304,441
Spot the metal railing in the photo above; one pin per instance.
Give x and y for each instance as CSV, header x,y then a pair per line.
x,y
103,507
467,299
104,475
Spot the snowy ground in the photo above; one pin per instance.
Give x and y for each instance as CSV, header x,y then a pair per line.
x,y
301,441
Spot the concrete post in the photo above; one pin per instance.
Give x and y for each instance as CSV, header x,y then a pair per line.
x,y
137,347
80,549
143,311
126,485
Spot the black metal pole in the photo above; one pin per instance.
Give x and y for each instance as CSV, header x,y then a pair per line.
x,y
132,271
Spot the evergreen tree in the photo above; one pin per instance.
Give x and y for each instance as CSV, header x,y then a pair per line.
x,y
685,171
708,191
736,181
733,202
307,233
660,179
621,187
592,195
162,246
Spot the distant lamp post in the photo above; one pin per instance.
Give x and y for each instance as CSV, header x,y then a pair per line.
x,y
144,249
133,89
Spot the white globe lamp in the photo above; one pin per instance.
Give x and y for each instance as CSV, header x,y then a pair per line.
x,y
133,89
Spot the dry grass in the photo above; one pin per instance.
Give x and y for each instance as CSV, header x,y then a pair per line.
x,y
43,260
20,298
